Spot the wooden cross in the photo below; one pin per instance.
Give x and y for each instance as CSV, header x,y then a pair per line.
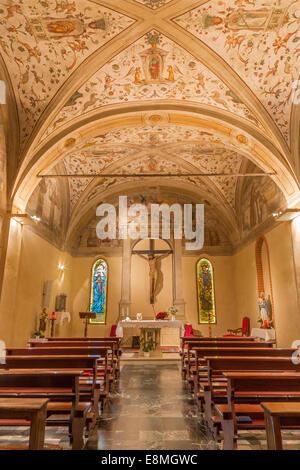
x,y
153,255
152,251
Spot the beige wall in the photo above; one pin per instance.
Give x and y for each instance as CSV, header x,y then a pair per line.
x,y
31,261
287,316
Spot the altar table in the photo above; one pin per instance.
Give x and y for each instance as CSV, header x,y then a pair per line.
x,y
264,333
156,325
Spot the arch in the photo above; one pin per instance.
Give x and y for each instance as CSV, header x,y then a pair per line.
x,y
205,292
260,271
98,297
255,147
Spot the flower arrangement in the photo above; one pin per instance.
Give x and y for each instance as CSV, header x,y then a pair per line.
x,y
147,346
161,316
173,310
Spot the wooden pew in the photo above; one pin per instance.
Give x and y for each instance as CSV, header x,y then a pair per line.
x,y
184,341
34,411
277,416
113,345
197,371
188,358
116,340
61,387
215,391
89,391
106,369
245,390
85,339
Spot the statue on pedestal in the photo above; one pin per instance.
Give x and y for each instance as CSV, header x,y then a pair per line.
x,y
263,310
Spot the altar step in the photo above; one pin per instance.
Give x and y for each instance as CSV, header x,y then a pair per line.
x,y
137,356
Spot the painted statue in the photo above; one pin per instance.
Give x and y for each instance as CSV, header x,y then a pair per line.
x,y
263,308
256,20
57,28
154,68
265,19
99,291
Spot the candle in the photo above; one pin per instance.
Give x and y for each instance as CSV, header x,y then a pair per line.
x,y
53,315
266,324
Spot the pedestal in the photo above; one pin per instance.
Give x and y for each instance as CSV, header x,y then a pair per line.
x,y
263,333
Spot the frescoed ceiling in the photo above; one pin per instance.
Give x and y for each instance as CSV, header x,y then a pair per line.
x,y
154,4
131,89
260,40
173,74
44,42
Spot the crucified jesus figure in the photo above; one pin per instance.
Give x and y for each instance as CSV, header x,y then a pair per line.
x,y
153,271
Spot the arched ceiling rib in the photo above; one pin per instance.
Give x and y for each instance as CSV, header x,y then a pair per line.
x,y
179,74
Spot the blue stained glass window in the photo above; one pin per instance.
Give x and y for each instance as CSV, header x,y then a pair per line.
x,y
99,291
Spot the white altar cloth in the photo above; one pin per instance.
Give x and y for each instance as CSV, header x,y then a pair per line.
x,y
264,333
150,324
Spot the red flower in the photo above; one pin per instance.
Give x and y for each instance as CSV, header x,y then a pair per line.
x,y
161,316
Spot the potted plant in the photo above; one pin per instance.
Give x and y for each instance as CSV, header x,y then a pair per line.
x,y
147,346
38,335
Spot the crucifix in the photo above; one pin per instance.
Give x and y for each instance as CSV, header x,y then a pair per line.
x,y
152,256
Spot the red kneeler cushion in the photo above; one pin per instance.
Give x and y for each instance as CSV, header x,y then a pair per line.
x,y
188,331
113,330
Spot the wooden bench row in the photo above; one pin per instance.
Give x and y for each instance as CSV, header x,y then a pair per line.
x,y
237,388
74,379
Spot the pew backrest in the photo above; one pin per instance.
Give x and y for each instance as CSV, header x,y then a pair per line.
x,y
216,366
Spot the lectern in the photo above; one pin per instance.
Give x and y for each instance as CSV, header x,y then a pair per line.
x,y
87,316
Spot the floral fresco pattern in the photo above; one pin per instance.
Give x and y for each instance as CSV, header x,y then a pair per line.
x,y
43,41
152,68
260,40
154,4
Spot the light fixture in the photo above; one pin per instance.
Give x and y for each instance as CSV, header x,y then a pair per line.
x,y
286,215
61,267
35,218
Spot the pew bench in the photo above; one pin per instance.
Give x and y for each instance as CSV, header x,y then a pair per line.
x,y
189,360
277,416
34,411
197,371
215,388
91,387
105,372
112,346
60,387
247,390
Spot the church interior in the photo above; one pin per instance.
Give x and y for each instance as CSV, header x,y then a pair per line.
x,y
170,103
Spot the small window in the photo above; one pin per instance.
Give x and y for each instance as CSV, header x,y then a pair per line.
x,y
99,291
205,292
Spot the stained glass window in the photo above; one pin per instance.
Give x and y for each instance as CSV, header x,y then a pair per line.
x,y
205,292
99,291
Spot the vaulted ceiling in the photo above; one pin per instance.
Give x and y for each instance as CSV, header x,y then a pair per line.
x,y
137,89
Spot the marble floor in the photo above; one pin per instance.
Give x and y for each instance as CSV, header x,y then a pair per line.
x,y
151,410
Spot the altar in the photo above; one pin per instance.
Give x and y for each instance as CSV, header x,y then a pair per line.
x,y
152,329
